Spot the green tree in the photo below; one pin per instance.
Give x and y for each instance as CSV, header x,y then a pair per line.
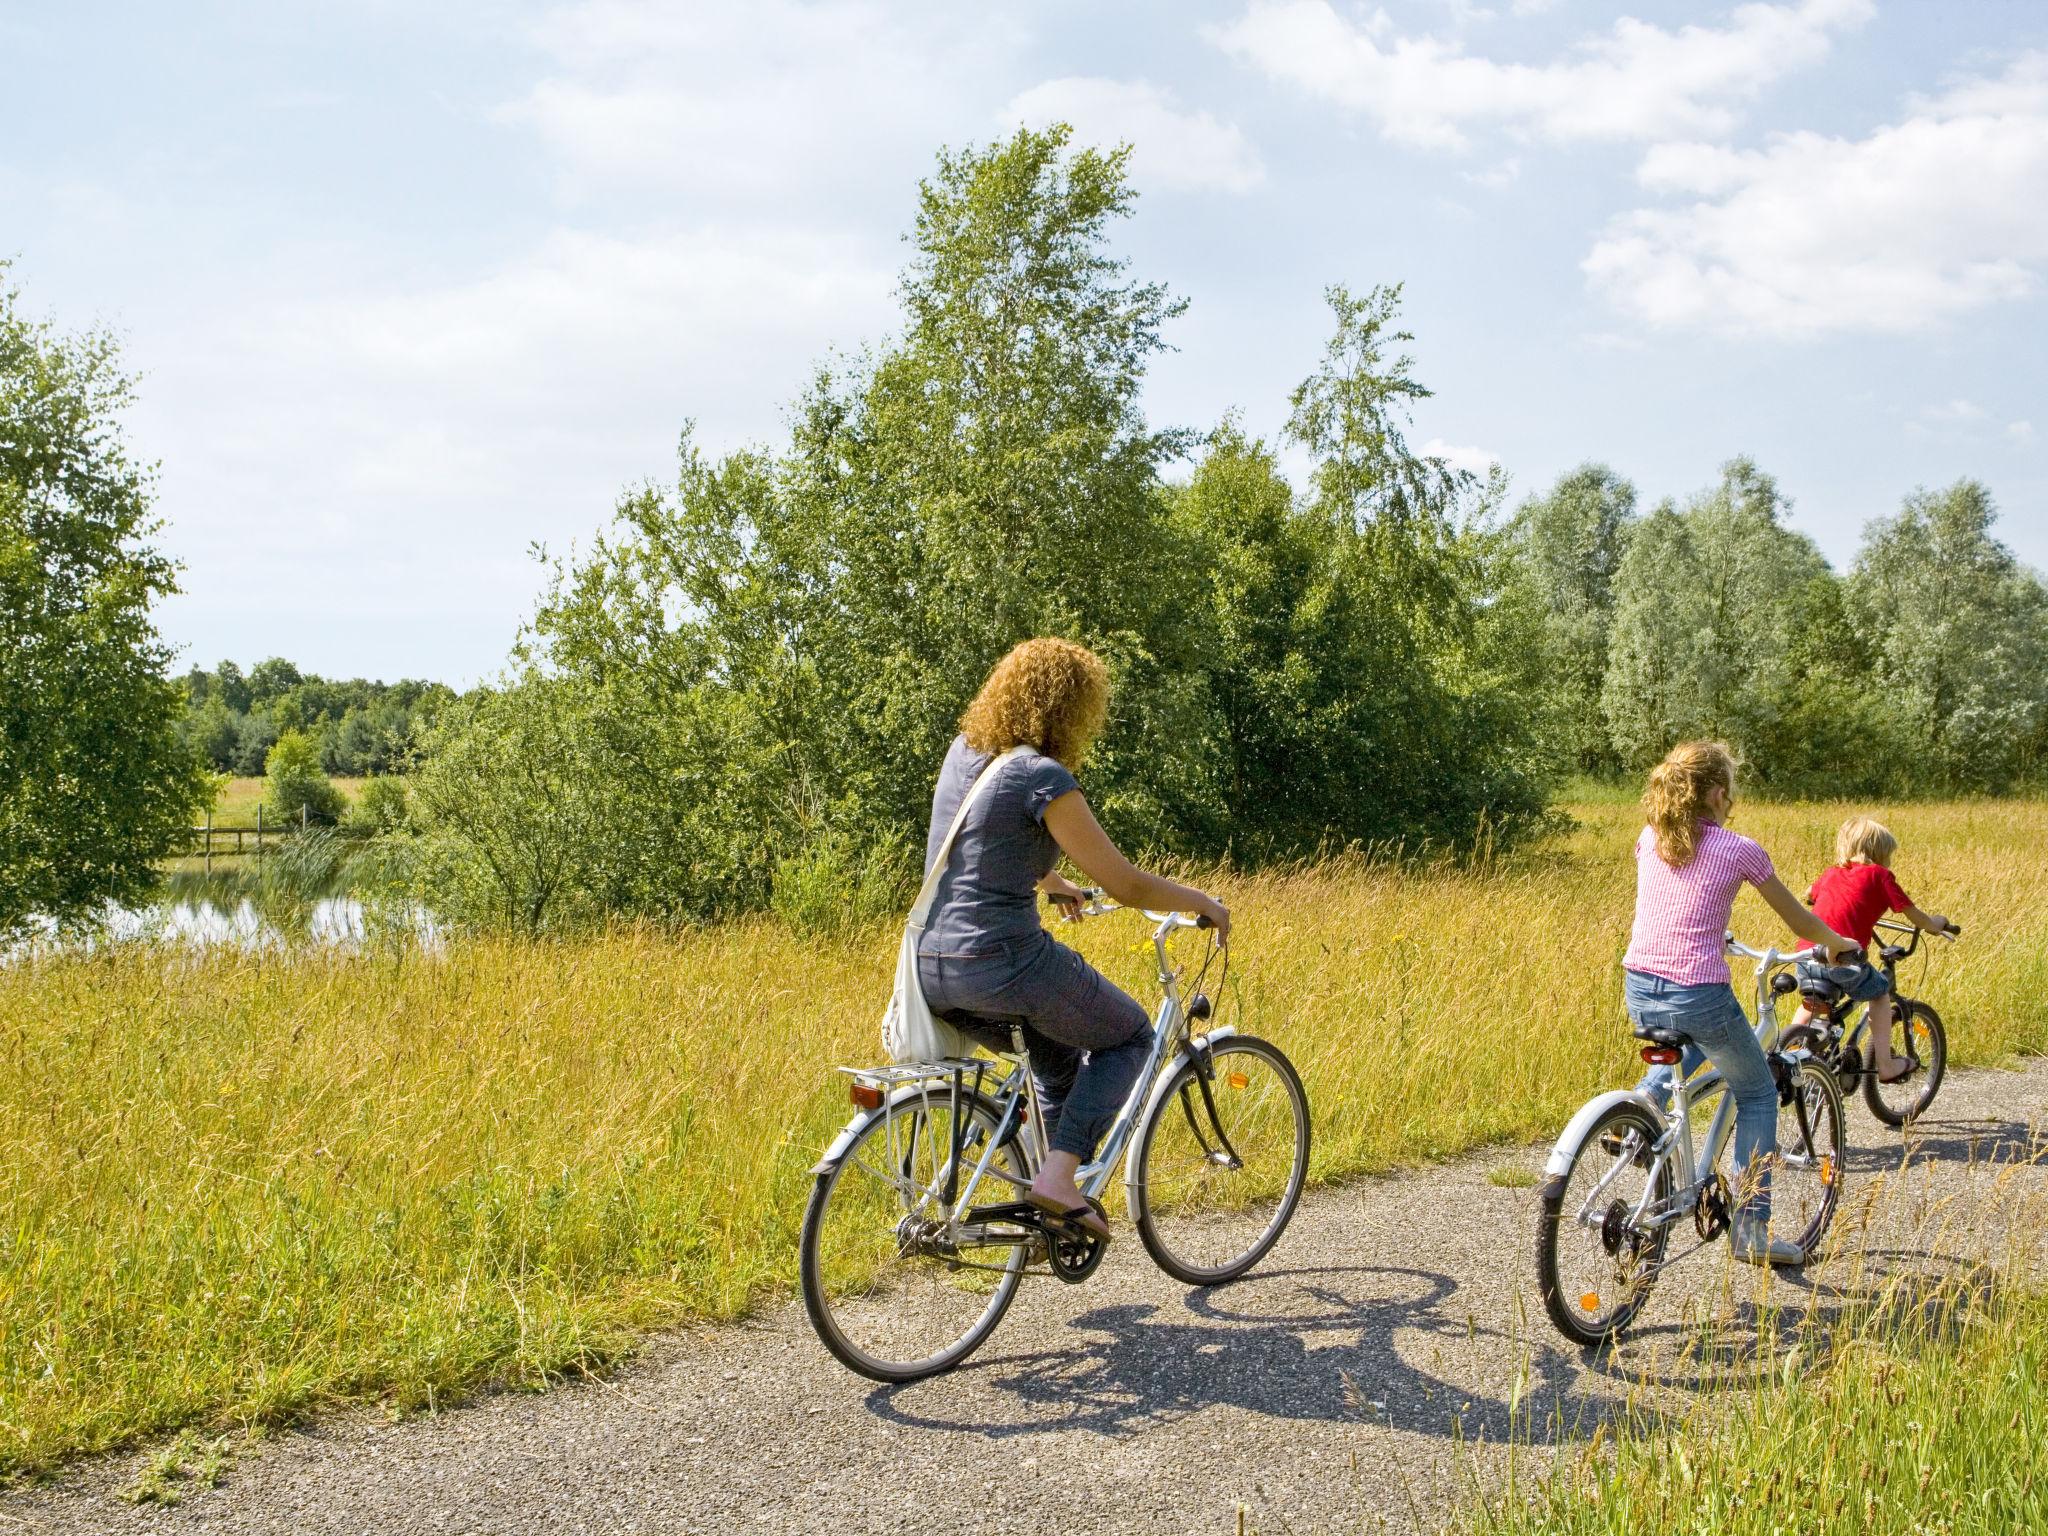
x,y
95,782
1710,606
295,783
1564,552
829,609
1957,632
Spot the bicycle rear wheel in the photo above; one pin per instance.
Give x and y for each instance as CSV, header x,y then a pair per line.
x,y
1813,1142
1220,1164
1918,1035
1594,1265
894,1290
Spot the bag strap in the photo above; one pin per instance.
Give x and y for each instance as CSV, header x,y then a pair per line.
x,y
930,889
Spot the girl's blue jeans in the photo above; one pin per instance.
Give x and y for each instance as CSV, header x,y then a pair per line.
x,y
1721,1033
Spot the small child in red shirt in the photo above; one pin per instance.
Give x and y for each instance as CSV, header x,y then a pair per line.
x,y
1850,896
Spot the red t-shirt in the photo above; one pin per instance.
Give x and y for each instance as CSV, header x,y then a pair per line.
x,y
1850,898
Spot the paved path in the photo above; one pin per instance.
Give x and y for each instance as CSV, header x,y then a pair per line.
x,y
1331,1392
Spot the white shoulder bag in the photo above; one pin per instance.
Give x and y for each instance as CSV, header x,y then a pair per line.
x,y
909,1032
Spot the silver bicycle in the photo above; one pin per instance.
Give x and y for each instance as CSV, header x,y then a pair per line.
x,y
916,1236
1628,1170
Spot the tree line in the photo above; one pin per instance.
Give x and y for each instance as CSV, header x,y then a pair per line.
x,y
233,719
1922,669
739,695
736,697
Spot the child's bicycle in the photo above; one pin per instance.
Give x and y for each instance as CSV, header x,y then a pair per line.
x,y
1917,1034
916,1236
1627,1171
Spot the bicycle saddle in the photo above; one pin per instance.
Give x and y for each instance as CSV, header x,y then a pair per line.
x,y
1658,1034
1822,986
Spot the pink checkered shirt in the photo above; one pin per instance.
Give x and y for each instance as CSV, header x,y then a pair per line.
x,y
1682,914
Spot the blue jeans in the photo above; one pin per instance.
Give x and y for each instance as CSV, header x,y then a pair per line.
x,y
1088,1038
1720,1033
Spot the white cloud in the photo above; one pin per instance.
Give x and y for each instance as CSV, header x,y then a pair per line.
x,y
1920,221
1170,147
1463,456
1496,176
754,99
1635,81
1954,410
2020,433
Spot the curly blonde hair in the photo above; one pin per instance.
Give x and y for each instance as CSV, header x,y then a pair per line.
x,y
1676,799
1048,694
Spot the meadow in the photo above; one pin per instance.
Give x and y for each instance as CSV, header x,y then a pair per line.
x,y
236,1187
240,794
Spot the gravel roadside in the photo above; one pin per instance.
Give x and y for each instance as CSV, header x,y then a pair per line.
x,y
1394,1330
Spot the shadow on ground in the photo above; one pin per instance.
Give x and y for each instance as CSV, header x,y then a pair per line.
x,y
1332,1344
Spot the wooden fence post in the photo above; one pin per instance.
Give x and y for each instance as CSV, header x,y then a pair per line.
x,y
208,856
259,829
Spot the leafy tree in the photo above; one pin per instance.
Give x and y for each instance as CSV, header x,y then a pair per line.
x,y
1957,632
985,477
254,737
1564,553
294,782
1710,606
95,782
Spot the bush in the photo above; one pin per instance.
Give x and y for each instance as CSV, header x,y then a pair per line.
x,y
380,806
295,783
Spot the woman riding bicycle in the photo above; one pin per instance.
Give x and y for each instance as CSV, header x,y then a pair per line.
x,y
1689,868
984,962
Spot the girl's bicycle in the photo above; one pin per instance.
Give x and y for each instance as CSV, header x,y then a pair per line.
x,y
1628,1170
1917,1034
916,1236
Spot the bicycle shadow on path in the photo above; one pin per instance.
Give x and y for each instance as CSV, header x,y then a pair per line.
x,y
1973,1143
1327,1344
1731,1332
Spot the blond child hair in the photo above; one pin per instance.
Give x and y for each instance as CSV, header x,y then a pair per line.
x,y
1865,840
1676,798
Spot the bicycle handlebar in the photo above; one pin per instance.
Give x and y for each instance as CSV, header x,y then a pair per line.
x,y
1096,904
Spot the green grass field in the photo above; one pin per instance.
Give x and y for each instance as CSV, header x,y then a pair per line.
x,y
236,804
237,1187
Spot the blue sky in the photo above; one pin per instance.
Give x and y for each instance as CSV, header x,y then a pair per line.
x,y
414,288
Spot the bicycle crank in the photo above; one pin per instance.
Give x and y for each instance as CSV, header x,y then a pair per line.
x,y
1710,1213
1072,1251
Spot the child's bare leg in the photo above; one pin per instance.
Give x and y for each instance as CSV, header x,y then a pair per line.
x,y
1882,1061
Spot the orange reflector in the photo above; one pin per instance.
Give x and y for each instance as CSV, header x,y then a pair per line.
x,y
866,1095
1237,1080
1827,1170
1590,1302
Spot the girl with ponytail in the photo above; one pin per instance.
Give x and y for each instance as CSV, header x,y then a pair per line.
x,y
1689,869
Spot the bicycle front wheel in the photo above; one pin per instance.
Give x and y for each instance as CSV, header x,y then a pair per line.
x,y
895,1289
1220,1161
1918,1035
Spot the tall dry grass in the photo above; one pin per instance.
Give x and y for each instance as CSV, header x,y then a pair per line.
x,y
232,1187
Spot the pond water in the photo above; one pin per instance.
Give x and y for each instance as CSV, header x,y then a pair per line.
x,y
225,911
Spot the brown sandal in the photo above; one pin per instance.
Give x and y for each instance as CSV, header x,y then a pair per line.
x,y
1082,1216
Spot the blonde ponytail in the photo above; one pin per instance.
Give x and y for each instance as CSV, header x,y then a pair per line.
x,y
1676,799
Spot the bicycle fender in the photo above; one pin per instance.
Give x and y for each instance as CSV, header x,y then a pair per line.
x,y
1198,1043
861,1119
1581,1126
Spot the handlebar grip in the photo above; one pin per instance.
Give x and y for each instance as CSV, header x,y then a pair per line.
x,y
1203,922
1954,930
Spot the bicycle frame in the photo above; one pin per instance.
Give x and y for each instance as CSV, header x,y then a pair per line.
x,y
1015,1096
1676,1146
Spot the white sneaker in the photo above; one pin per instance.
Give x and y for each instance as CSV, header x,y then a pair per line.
x,y
1753,1244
